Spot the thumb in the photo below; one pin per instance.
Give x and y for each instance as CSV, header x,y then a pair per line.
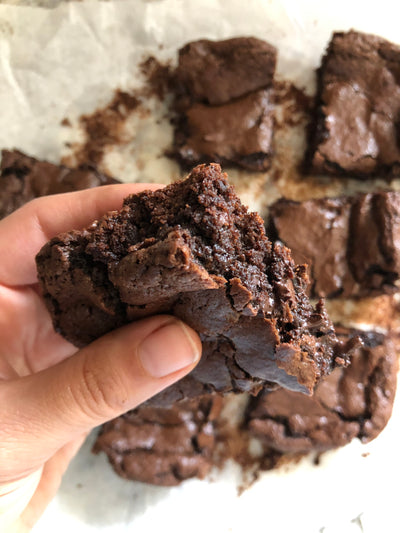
x,y
42,412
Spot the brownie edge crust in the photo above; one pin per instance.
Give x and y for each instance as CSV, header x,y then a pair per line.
x,y
194,251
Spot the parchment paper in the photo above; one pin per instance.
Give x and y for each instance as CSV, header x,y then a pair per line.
x,y
62,62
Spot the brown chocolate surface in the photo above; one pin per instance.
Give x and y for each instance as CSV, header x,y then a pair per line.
x,y
224,103
216,72
351,402
24,178
193,250
239,131
162,446
350,243
358,104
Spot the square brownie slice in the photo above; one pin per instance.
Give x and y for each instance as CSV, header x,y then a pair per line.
x,y
217,72
163,446
224,103
23,178
355,132
239,131
193,250
349,243
352,402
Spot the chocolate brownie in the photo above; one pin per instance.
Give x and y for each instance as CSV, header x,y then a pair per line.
x,y
351,402
24,178
216,72
224,103
355,131
162,446
239,131
193,250
349,243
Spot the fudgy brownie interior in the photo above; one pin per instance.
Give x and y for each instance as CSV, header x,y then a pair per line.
x,y
193,250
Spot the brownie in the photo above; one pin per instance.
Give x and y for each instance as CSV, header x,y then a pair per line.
x,y
239,131
24,178
352,402
224,103
216,72
355,131
193,250
163,446
349,243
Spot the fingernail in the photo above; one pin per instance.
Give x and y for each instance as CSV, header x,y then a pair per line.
x,y
168,349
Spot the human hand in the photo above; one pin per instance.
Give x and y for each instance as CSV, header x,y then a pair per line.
x,y
51,394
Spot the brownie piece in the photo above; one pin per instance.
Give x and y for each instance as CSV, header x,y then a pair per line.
x,y
24,178
193,250
358,104
349,243
216,72
351,402
239,131
162,446
224,103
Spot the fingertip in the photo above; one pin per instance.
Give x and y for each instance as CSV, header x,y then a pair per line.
x,y
170,348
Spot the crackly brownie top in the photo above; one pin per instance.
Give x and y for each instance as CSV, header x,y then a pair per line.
x,y
349,243
163,446
193,250
216,72
223,100
356,128
239,131
351,402
24,178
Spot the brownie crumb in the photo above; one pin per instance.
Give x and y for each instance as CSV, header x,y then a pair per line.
x,y
159,77
104,127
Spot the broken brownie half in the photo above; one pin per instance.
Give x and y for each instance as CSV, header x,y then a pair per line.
x,y
23,178
162,446
355,128
352,402
349,243
193,250
224,103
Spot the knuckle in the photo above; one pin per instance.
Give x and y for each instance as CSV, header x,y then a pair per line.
x,y
101,392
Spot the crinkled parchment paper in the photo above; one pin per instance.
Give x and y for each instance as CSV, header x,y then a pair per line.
x,y
62,62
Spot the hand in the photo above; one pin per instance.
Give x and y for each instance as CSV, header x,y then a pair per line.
x,y
52,395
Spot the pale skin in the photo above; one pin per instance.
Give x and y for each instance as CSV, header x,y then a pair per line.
x,y
51,394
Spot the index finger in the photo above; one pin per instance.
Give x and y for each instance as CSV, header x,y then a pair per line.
x,y
24,232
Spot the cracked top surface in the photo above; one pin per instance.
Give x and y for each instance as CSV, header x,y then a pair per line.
x,y
358,106
224,103
351,402
216,72
162,446
24,178
350,243
193,250
240,131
